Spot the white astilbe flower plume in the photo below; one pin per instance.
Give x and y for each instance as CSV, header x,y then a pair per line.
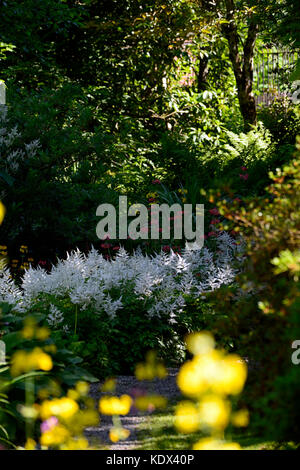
x,y
160,284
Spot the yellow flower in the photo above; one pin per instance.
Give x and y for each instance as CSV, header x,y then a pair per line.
x,y
144,403
145,371
187,417
63,407
28,332
2,212
214,412
232,376
151,195
75,444
200,343
55,436
73,394
82,388
109,385
231,446
42,333
190,380
149,370
117,434
23,361
210,443
30,412
51,348
115,405
30,444
40,360
240,419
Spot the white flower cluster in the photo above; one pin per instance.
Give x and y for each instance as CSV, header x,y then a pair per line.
x,y
161,283
12,157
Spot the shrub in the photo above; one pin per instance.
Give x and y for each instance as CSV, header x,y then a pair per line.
x,y
49,173
261,312
38,366
119,309
282,119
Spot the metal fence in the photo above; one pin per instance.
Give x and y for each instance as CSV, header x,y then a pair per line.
x,y
272,69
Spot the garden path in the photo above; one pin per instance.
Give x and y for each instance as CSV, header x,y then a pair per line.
x,y
131,386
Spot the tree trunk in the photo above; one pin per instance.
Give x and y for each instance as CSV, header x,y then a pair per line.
x,y
202,74
242,66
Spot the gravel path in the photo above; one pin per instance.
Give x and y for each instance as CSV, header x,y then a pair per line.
x,y
131,386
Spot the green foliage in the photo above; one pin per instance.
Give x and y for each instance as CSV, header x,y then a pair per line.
x,y
261,314
51,170
282,119
114,345
66,371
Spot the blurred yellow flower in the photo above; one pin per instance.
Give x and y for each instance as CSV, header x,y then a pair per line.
x,y
196,377
82,388
200,343
189,379
42,333
150,402
55,436
232,376
109,385
115,405
187,417
51,348
2,212
30,444
240,419
75,444
28,332
117,434
210,443
214,412
73,394
151,368
23,361
64,408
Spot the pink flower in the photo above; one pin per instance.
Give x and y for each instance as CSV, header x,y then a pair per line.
x,y
49,424
156,181
215,222
214,211
105,246
166,248
244,177
211,234
244,168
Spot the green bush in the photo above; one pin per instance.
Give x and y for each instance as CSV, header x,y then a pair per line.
x,y
51,172
260,316
23,336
